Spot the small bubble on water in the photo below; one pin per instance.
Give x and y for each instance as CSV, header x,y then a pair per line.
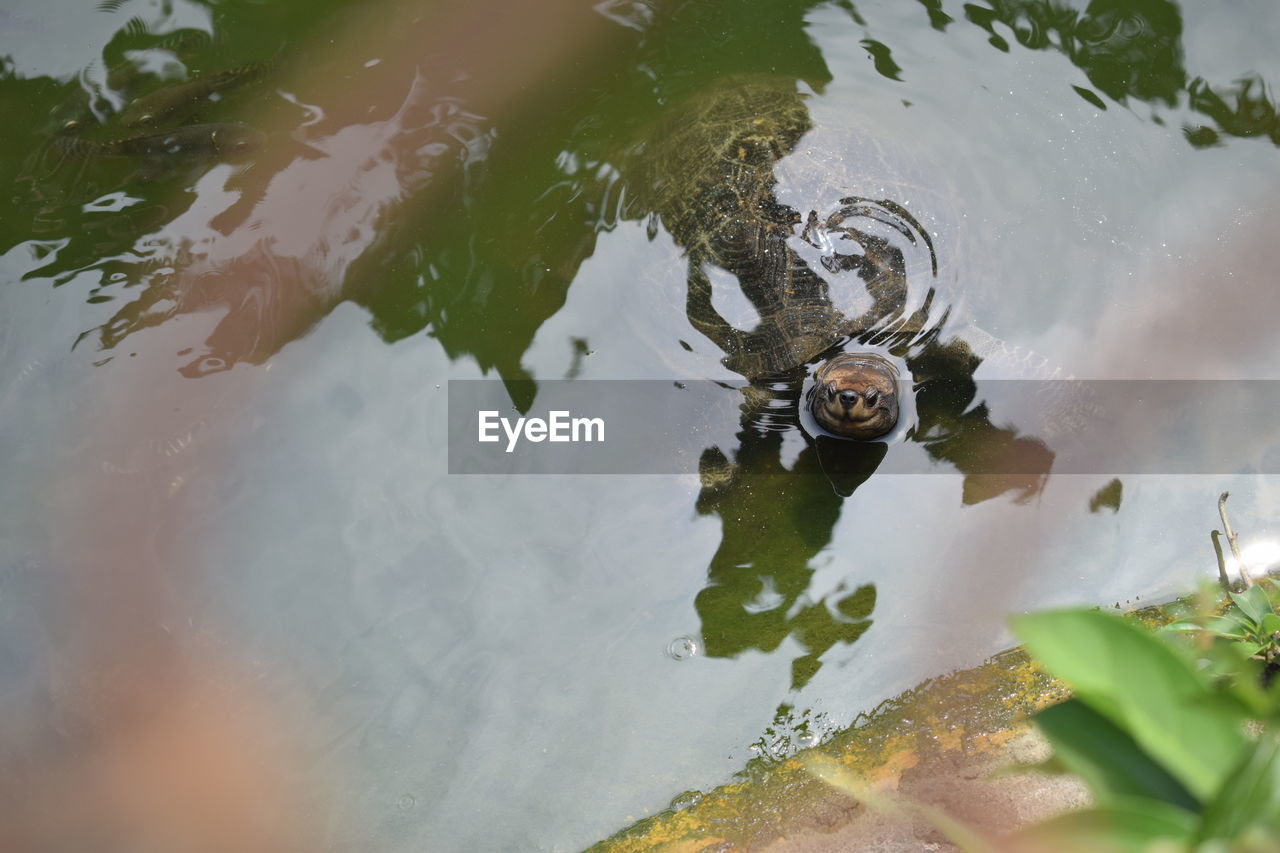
x,y
754,750
406,803
807,740
682,647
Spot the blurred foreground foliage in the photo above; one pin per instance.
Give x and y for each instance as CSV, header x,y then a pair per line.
x,y
1174,731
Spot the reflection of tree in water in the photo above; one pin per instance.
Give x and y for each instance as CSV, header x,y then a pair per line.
x,y
1128,49
775,521
778,517
1244,111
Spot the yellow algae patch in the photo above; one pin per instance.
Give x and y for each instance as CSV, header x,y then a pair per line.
x,y
888,774
691,846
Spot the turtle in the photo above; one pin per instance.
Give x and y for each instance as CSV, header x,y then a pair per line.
x,y
819,227
733,177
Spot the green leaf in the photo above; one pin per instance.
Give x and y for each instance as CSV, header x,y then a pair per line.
x,y
1244,688
1106,757
1182,626
1254,602
1270,624
1246,650
1238,679
1143,686
1250,794
1226,627
1126,826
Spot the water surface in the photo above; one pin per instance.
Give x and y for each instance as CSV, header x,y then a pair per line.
x,y
226,513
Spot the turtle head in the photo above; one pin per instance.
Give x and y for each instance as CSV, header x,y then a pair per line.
x,y
856,395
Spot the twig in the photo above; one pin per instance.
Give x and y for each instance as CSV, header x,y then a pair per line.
x,y
1231,540
1216,536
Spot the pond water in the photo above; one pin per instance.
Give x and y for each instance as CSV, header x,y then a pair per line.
x,y
237,578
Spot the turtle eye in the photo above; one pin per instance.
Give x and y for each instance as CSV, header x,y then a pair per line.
x,y
831,391
871,395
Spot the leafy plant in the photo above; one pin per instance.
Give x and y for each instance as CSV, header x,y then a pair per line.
x,y
1251,625
1177,741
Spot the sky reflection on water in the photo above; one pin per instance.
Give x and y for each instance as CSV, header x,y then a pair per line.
x,y
471,662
